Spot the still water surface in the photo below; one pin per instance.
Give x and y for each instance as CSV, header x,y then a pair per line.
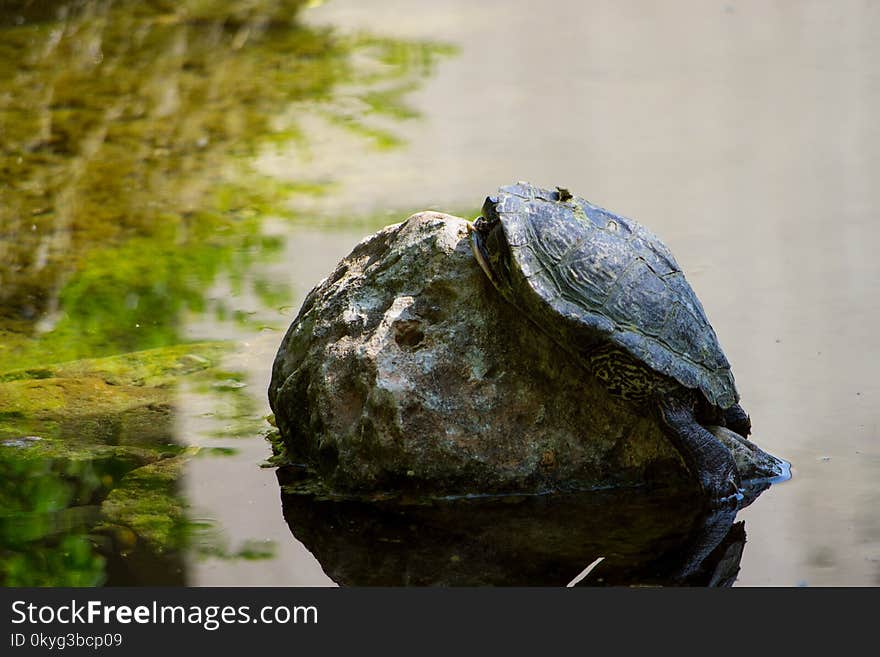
x,y
188,183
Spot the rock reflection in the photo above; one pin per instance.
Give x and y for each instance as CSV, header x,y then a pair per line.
x,y
642,539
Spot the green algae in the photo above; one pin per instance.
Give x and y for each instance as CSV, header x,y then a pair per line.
x,y
148,502
63,459
154,368
279,458
91,404
89,459
70,435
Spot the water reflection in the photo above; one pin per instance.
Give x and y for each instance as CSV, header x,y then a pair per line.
x,y
90,465
128,136
638,539
130,132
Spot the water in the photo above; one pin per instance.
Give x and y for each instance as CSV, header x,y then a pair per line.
x,y
175,179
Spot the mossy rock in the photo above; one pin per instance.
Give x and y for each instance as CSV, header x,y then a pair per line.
x,y
119,400
151,367
148,502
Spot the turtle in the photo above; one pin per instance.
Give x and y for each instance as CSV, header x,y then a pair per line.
x,y
610,293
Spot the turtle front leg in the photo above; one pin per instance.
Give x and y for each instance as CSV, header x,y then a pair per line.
x,y
706,458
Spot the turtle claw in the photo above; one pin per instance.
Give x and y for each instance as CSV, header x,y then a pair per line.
x,y
724,490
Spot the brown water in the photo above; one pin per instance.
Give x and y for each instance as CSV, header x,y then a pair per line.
x,y
740,132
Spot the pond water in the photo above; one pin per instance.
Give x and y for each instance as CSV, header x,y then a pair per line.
x,y
176,176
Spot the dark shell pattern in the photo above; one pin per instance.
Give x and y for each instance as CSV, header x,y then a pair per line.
x,y
615,276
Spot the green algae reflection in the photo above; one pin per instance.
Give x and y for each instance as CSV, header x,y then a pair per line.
x,y
127,136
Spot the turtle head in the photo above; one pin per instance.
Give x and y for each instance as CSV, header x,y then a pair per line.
x,y
489,217
489,246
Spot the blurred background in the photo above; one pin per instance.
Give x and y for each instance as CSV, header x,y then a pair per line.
x,y
175,177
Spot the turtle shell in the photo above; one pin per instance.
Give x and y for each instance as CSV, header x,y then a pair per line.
x,y
566,262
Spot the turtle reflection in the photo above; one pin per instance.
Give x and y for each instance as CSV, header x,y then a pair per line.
x,y
642,540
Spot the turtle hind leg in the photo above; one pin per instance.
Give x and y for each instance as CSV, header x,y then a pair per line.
x,y
736,419
706,458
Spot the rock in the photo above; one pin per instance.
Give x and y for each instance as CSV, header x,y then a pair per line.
x,y
405,371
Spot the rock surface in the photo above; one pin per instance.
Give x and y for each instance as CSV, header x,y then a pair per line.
x,y
406,371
